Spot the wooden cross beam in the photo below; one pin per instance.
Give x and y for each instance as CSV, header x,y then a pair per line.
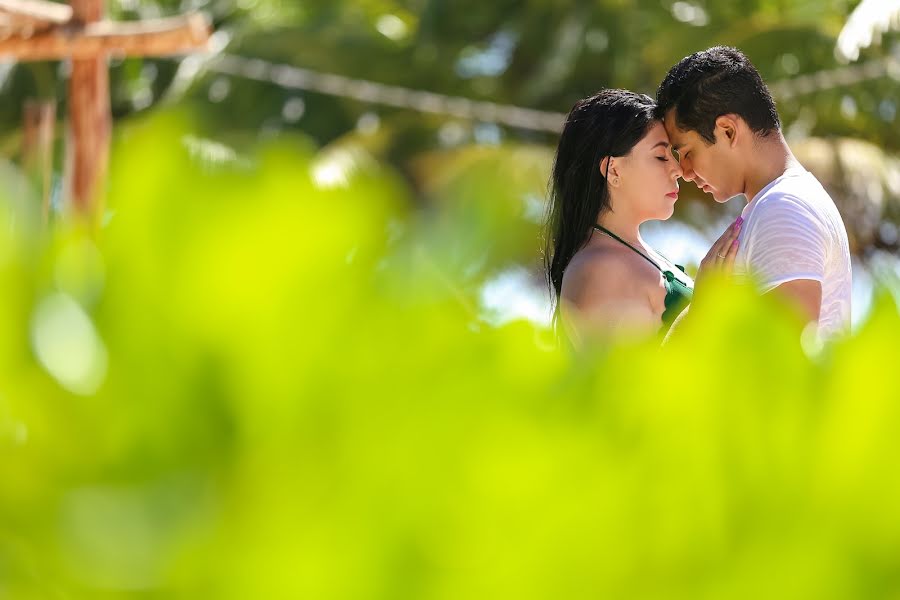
x,y
28,15
32,30
157,37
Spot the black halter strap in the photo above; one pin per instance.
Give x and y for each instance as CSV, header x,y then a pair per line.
x,y
618,239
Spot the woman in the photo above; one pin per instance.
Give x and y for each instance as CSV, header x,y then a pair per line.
x,y
615,170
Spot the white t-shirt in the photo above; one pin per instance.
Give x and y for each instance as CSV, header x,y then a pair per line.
x,y
792,230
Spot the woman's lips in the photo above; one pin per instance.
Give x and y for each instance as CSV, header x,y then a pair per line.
x,y
673,195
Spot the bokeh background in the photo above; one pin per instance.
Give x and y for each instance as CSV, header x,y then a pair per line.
x,y
306,356
403,86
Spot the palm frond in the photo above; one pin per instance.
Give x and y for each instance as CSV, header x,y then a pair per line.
x,y
866,24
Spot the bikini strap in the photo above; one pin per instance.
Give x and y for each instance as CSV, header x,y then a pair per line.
x,y
618,239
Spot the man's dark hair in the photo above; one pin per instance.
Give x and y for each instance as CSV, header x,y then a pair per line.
x,y
712,83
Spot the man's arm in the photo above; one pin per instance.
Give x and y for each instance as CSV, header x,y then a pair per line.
x,y
805,294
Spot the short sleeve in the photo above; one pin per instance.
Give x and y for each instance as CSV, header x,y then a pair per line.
x,y
789,243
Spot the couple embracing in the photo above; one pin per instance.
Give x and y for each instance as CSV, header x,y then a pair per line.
x,y
617,165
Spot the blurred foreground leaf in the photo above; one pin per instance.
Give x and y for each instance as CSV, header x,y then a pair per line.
x,y
294,406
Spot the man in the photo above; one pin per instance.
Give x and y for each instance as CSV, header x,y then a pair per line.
x,y
723,125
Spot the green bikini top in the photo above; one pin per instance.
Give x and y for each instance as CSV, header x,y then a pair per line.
x,y
678,292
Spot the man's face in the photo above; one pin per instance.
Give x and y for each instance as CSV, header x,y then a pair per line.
x,y
707,165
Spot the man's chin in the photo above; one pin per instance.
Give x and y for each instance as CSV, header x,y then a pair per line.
x,y
723,198
717,195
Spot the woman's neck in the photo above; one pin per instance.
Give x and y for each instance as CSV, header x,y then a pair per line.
x,y
626,228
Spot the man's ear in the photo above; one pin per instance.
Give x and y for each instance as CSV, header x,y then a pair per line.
x,y
728,126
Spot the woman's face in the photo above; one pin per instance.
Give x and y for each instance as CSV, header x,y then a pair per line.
x,y
647,178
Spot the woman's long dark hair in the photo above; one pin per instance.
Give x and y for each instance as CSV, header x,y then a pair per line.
x,y
608,123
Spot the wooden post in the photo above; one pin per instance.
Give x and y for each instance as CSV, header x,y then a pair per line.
x,y
90,116
37,148
48,30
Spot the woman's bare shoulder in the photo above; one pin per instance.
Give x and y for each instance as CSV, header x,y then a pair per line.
x,y
607,290
601,270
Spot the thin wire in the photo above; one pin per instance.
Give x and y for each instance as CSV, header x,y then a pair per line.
x,y
887,66
297,78
290,77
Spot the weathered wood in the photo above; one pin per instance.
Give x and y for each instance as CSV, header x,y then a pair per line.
x,y
90,116
29,16
39,129
159,37
34,30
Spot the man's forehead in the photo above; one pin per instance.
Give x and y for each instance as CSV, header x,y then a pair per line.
x,y
678,136
669,122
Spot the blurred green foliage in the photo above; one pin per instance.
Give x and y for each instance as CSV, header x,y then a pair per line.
x,y
265,379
